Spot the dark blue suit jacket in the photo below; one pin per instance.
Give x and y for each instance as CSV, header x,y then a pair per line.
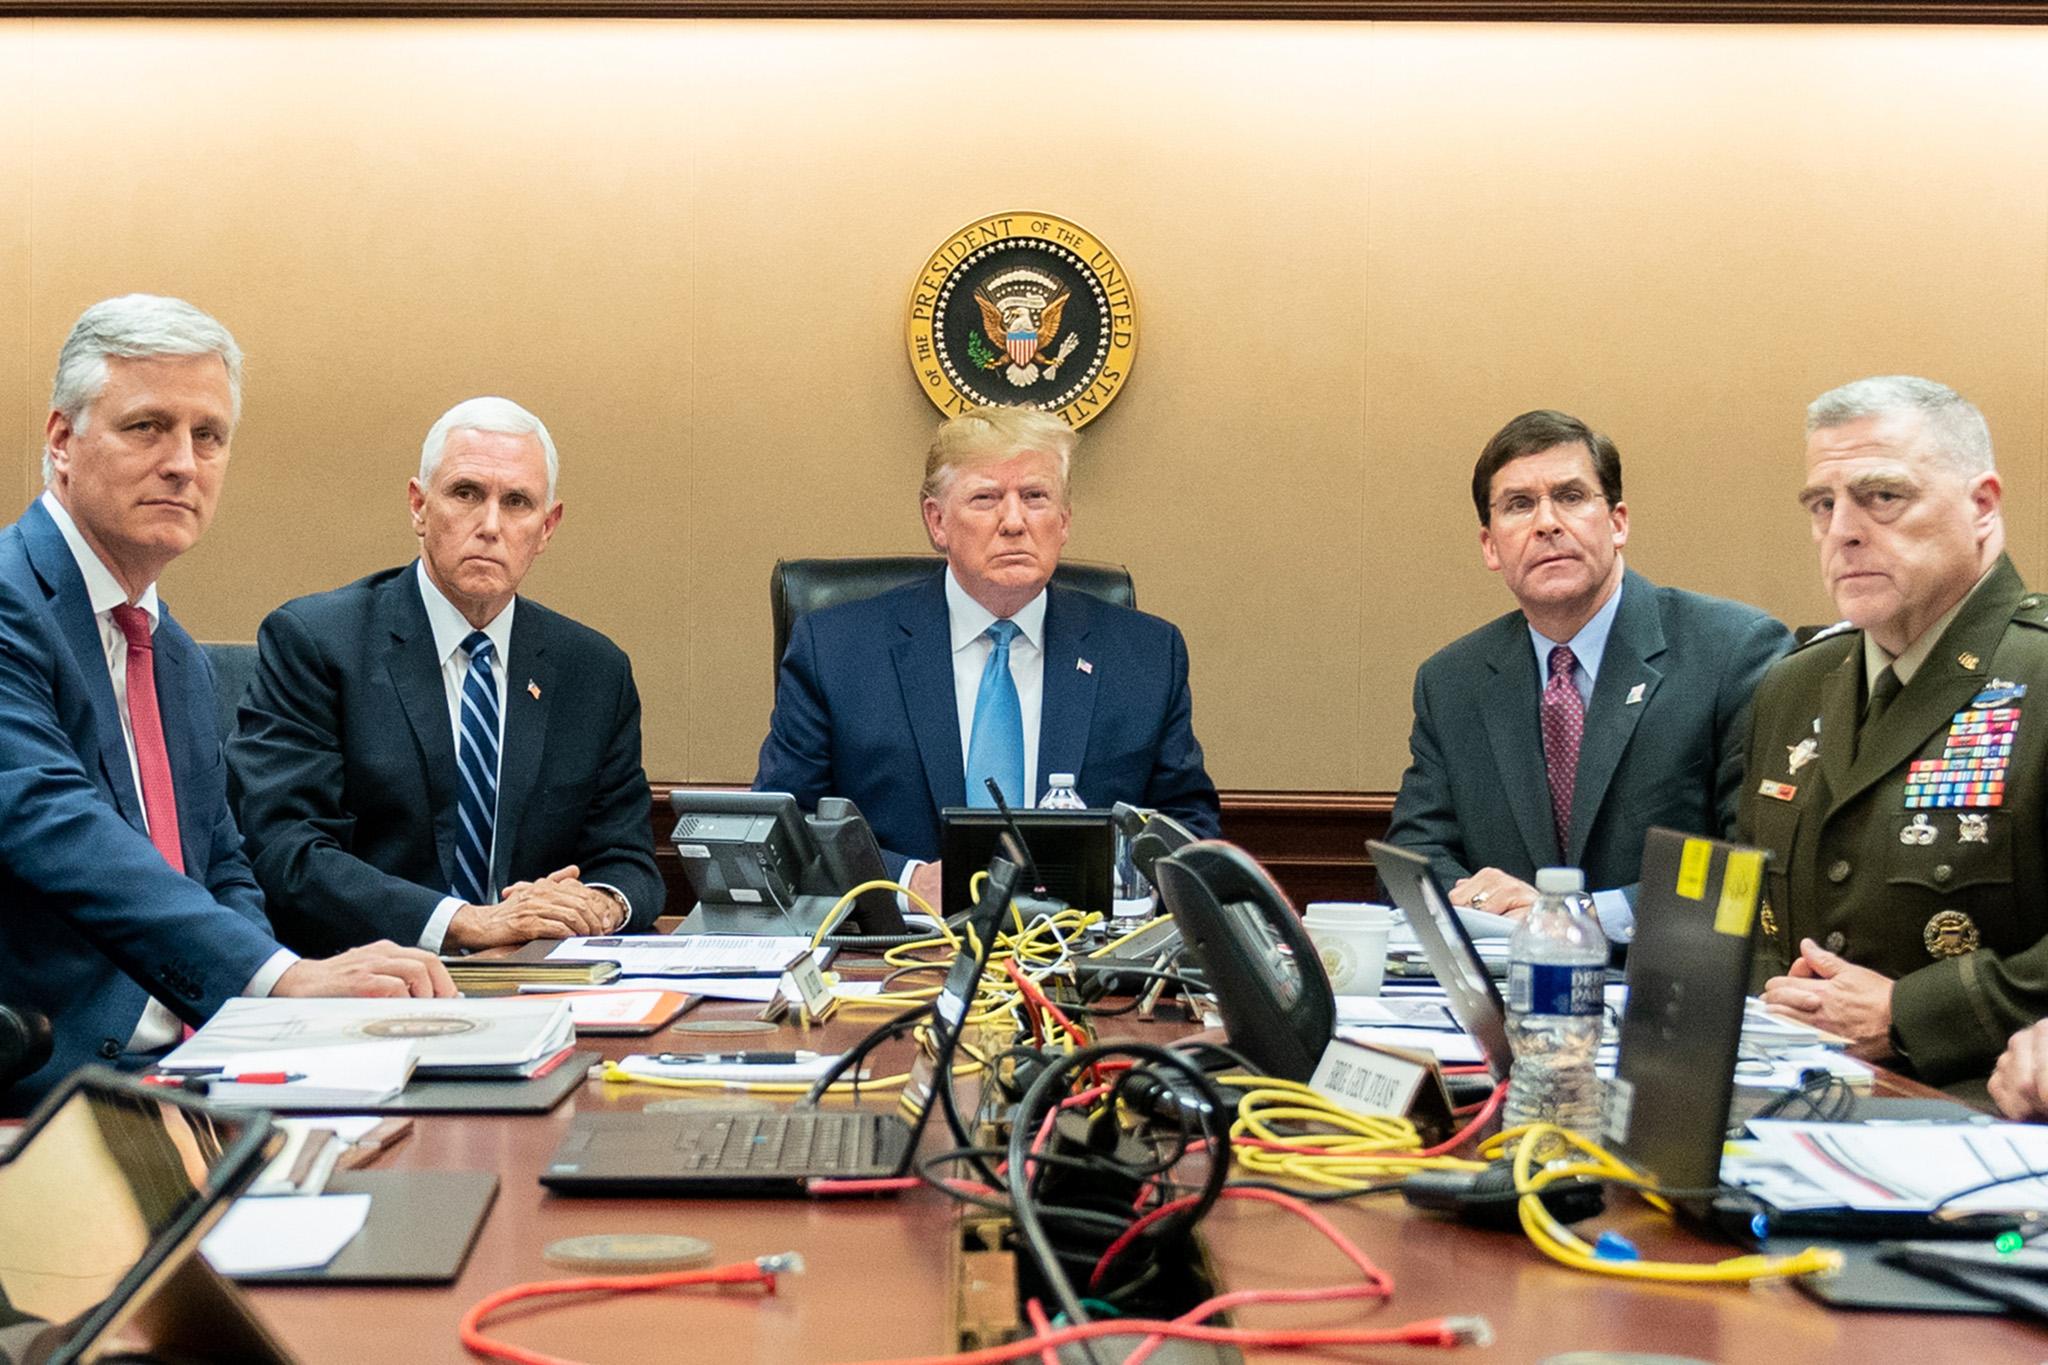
x,y
92,920
343,765
1476,793
865,710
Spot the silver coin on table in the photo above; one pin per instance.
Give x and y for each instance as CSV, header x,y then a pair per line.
x,y
724,1026
729,1104
629,1253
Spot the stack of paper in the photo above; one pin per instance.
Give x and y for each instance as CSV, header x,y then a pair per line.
x,y
486,1039
717,966
1908,1167
316,1077
487,976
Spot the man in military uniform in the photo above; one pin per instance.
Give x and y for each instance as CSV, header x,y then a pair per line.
x,y
1894,771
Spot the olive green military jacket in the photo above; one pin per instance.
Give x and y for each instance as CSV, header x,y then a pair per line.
x,y
1917,851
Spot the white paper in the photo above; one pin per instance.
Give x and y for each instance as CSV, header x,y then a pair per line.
x,y
1911,1167
284,1234
448,1033
357,1073
757,989
673,955
1454,1048
803,1071
1394,1013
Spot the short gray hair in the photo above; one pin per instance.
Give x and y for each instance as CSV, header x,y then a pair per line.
x,y
1957,430
134,327
499,416
994,433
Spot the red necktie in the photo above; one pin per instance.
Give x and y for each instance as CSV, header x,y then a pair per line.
x,y
1564,725
151,757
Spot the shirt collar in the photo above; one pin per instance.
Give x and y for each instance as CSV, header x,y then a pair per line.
x,y
969,618
1588,645
102,590
451,627
1906,664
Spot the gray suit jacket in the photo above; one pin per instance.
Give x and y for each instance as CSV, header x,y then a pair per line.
x,y
1476,794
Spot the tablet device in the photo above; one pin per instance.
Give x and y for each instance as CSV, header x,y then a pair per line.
x,y
103,1201
1468,988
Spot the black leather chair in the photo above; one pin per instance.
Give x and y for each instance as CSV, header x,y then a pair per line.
x,y
234,664
803,585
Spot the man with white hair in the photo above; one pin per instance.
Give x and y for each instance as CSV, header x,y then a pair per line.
x,y
1894,770
126,906
426,756
910,702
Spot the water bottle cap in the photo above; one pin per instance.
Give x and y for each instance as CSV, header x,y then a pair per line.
x,y
1060,780
1560,881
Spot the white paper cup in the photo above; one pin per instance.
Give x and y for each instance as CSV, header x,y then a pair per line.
x,y
1351,939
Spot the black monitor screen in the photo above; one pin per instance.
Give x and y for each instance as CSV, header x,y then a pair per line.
x,y
1073,850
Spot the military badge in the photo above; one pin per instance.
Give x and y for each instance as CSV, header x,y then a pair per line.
x,y
1767,918
1801,754
1998,692
1973,828
1919,834
1777,791
1950,933
1023,308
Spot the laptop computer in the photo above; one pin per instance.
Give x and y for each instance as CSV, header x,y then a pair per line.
x,y
1468,987
723,1152
1688,971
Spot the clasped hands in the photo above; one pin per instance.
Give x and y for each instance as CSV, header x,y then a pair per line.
x,y
558,905
1826,991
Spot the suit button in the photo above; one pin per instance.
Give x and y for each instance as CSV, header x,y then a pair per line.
x,y
110,1048
1835,942
1838,871
1942,872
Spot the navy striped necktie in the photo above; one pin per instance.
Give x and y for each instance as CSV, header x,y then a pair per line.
x,y
477,797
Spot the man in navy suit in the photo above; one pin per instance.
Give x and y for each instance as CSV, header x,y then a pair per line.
x,y
126,906
902,702
426,756
1560,733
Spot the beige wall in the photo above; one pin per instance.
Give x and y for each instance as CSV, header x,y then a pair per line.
x,y
1356,249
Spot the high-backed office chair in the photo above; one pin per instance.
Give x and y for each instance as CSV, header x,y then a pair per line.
x,y
25,1043
797,586
234,664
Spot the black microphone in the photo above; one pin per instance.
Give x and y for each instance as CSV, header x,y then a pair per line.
x,y
1021,854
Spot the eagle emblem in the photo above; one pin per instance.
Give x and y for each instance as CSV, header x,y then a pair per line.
x,y
1020,313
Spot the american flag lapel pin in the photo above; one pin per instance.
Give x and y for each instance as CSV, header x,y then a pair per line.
x,y
533,689
1084,666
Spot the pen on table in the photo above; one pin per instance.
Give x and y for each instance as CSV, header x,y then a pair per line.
x,y
217,1078
735,1058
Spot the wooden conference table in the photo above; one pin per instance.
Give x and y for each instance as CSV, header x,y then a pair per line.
x,y
882,1279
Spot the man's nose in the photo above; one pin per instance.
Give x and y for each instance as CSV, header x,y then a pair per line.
x,y
1013,513
177,457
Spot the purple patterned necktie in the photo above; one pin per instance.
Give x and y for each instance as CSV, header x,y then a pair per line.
x,y
1564,725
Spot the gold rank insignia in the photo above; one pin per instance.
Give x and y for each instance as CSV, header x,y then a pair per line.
x,y
1950,934
1767,919
1967,660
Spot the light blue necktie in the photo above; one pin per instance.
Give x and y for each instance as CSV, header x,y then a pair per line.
x,y
995,746
477,800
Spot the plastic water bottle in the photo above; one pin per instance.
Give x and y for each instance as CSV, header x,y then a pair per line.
x,y
1060,794
1557,974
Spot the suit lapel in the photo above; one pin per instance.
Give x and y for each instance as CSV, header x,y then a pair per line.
x,y
529,691
1943,685
51,556
1841,697
923,653
1636,638
416,676
1508,697
1067,706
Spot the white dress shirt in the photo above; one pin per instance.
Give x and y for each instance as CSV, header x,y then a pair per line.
x,y
158,1027
450,629
968,622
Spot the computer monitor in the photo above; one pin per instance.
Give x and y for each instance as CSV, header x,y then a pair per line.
x,y
1072,855
758,865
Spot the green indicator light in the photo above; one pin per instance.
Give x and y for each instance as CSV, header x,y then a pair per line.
x,y
2009,1242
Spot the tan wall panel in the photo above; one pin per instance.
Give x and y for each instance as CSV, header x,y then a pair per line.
x,y
1683,236
1356,249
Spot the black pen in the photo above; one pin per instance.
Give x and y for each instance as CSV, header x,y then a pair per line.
x,y
734,1058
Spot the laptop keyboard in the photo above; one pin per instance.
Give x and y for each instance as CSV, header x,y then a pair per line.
x,y
806,1142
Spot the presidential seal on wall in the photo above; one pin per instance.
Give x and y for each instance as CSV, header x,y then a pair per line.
x,y
1023,308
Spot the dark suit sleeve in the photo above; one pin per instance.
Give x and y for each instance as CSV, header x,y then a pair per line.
x,y
288,777
1423,820
1179,784
1749,658
617,846
79,860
